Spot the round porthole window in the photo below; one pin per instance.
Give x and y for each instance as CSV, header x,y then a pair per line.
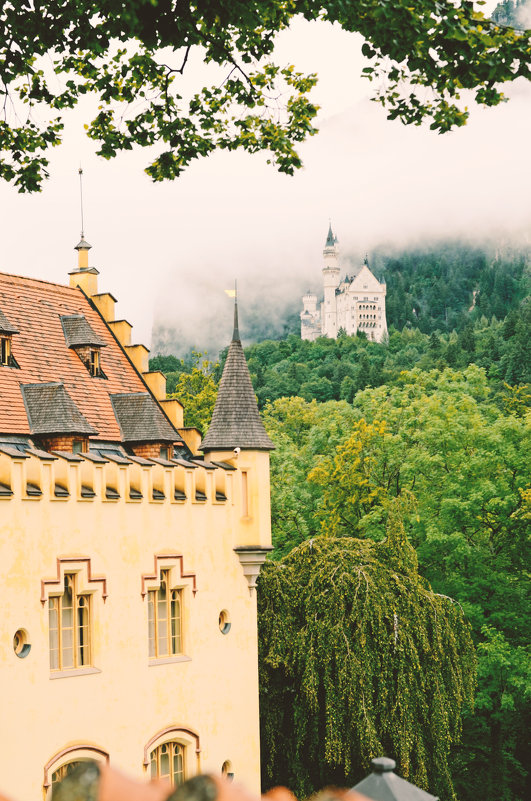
x,y
224,622
21,645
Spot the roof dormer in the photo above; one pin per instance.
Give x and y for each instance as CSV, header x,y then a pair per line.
x,y
81,338
6,335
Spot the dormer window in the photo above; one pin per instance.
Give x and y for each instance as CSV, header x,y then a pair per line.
x,y
81,338
5,346
6,332
94,368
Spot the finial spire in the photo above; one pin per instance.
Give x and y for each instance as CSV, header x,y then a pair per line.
x,y
236,332
82,246
80,171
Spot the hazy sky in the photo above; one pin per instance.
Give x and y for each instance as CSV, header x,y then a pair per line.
x,y
167,250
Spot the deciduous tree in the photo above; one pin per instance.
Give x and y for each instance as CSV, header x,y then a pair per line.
x,y
130,56
358,657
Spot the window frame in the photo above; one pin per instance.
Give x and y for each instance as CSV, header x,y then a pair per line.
x,y
5,351
187,738
82,652
176,750
156,603
94,363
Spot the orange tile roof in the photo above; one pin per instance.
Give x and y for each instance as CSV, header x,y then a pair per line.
x,y
35,307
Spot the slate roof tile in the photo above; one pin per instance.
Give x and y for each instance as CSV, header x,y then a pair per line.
x,y
78,332
51,410
141,419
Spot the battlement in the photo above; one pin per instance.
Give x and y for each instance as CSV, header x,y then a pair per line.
x,y
38,476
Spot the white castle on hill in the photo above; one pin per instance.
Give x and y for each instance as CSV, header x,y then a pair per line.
x,y
354,303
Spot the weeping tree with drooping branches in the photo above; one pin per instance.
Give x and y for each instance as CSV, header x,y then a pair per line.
x,y
359,658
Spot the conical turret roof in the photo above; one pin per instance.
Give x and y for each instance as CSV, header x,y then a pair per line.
x,y
236,420
330,239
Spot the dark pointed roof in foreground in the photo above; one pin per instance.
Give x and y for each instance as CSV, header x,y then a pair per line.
x,y
236,421
384,785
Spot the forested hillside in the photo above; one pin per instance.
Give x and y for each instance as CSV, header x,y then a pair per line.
x,y
401,508
437,288
516,13
440,286
330,369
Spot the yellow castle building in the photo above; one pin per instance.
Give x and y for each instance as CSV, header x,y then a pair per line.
x,y
129,550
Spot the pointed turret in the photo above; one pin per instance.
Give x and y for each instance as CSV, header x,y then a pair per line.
x,y
330,285
237,436
236,421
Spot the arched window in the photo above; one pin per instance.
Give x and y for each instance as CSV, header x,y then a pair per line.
x,y
167,762
173,754
64,762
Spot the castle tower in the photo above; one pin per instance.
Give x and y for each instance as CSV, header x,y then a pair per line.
x,y
237,435
330,282
310,317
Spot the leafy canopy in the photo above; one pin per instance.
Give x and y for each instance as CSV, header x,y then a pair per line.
x,y
131,56
196,389
463,453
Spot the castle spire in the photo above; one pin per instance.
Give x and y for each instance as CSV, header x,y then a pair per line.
x,y
330,239
236,331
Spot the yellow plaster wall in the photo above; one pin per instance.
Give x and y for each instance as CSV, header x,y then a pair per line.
x,y
156,381
192,437
105,303
214,693
122,331
87,279
254,528
174,410
139,355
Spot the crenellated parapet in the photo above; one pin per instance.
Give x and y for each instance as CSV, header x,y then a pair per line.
x,y
39,477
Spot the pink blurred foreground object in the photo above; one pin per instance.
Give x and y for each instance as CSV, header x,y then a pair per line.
x,y
112,785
